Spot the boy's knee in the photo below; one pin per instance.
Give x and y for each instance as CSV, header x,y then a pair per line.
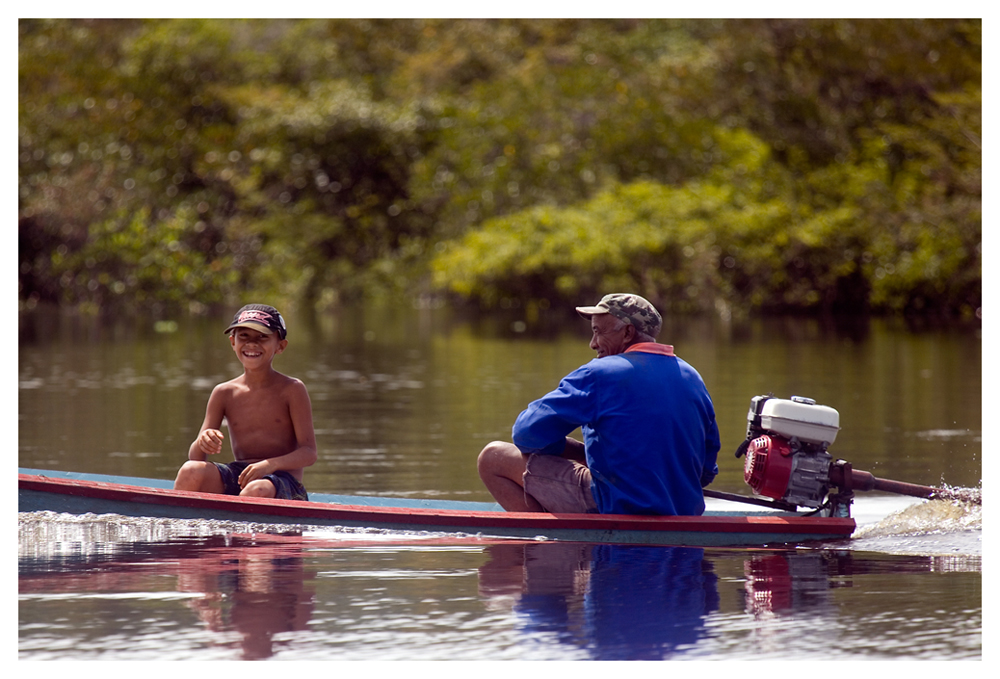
x,y
187,470
192,475
258,488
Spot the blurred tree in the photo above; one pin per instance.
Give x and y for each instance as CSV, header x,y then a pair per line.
x,y
873,128
726,164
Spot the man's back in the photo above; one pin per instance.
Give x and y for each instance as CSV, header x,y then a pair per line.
x,y
650,437
649,430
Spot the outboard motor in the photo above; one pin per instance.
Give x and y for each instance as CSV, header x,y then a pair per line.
x,y
787,461
786,449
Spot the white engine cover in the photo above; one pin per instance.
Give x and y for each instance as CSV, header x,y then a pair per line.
x,y
800,418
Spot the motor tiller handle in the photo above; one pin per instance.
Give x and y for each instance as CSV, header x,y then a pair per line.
x,y
860,480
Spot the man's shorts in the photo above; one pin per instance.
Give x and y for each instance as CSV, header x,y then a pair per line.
x,y
286,486
560,485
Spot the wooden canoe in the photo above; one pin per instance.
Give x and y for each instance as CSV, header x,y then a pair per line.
x,y
79,493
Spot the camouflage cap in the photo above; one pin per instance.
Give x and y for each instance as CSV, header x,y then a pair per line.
x,y
629,308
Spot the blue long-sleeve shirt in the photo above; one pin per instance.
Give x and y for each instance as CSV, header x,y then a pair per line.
x,y
648,426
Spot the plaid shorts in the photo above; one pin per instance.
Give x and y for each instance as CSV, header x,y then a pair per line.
x,y
286,486
560,485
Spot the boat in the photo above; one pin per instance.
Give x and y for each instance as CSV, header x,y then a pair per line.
x,y
81,493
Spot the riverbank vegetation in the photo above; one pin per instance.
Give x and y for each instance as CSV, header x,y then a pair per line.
x,y
784,165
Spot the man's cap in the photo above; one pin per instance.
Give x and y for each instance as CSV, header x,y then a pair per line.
x,y
261,317
629,308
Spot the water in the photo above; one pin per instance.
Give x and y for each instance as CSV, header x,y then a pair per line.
x,y
122,588
403,401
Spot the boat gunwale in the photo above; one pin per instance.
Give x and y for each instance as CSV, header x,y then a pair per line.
x,y
426,516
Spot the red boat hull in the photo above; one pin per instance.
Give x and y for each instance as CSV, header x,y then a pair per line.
x,y
39,492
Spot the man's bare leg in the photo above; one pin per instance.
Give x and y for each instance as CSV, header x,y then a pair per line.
x,y
501,467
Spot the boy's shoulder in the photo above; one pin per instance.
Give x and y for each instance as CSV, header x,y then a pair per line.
x,y
229,385
284,380
277,381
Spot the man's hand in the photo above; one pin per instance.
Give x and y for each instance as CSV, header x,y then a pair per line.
x,y
210,441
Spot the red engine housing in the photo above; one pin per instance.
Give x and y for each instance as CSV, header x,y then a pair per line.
x,y
768,466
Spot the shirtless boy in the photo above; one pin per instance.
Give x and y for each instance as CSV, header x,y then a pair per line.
x,y
269,416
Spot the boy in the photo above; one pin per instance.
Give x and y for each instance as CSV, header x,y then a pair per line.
x,y
269,416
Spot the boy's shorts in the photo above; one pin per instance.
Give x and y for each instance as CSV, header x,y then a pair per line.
x,y
286,486
560,485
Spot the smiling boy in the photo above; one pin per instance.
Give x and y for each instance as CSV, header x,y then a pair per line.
x,y
268,414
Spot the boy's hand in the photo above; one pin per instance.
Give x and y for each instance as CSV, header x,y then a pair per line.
x,y
210,441
257,470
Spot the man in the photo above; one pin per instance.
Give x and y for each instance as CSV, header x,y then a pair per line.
x,y
650,437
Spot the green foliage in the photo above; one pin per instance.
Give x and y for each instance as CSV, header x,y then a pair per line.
x,y
712,165
130,261
678,245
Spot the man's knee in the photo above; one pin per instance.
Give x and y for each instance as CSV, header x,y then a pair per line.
x,y
501,458
492,456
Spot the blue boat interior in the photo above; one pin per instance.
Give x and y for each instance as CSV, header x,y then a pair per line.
x,y
357,500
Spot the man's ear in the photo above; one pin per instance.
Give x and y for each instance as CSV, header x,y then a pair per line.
x,y
629,333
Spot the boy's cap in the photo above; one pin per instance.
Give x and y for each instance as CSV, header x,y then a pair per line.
x,y
260,317
629,308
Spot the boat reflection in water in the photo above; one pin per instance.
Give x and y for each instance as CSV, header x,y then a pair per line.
x,y
125,589
626,602
257,593
785,582
621,602
255,586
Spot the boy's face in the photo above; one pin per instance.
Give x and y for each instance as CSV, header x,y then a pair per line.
x,y
255,348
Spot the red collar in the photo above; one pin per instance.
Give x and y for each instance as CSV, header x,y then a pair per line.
x,y
652,348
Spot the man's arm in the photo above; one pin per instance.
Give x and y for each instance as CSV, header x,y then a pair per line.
x,y
545,425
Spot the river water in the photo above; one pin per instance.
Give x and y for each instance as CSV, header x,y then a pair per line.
x,y
403,400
